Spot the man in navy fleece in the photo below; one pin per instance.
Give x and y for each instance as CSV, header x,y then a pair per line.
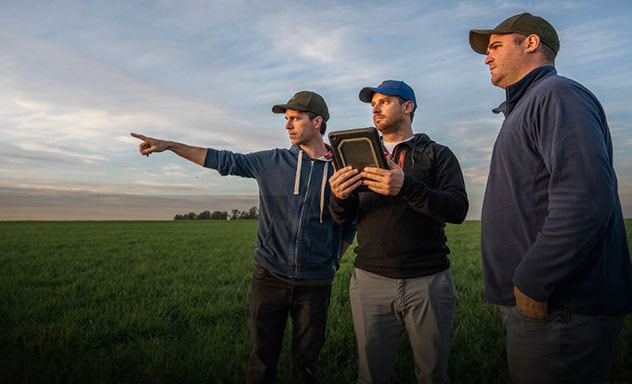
x,y
555,254
298,243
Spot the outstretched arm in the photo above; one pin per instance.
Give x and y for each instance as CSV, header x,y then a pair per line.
x,y
151,145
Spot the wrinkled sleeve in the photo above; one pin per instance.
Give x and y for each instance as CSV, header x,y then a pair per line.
x,y
344,211
349,231
446,200
237,164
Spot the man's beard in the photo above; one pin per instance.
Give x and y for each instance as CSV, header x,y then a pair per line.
x,y
389,125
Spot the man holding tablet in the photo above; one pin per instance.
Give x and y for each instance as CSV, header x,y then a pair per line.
x,y
402,279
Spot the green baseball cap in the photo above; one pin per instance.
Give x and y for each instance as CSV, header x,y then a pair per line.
x,y
305,101
524,24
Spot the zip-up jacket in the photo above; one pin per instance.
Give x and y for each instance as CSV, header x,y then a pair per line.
x,y
403,236
552,223
296,237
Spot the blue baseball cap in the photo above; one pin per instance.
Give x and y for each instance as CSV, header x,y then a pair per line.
x,y
392,88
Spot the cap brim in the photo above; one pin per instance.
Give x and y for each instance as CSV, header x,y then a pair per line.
x,y
281,108
479,40
366,94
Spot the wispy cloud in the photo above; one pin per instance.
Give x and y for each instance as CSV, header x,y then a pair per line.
x,y
77,77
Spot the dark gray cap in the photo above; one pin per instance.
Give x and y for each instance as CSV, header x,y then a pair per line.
x,y
305,101
524,24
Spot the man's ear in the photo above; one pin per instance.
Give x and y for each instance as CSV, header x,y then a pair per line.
x,y
409,106
318,121
533,42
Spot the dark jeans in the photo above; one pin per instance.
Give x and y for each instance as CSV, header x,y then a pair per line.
x,y
271,301
560,348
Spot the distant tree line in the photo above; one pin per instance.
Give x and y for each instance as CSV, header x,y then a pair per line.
x,y
235,214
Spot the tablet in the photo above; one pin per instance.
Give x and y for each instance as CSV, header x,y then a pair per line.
x,y
358,148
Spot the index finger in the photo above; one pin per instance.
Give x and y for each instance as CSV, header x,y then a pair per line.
x,y
345,170
374,170
343,173
138,136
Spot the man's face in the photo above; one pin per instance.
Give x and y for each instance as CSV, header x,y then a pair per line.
x,y
300,129
506,60
388,112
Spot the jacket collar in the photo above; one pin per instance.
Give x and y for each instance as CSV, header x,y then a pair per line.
x,y
418,138
515,91
296,150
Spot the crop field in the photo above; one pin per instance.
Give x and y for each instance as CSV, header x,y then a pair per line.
x,y
167,302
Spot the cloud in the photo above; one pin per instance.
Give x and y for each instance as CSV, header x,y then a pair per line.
x,y
47,150
77,77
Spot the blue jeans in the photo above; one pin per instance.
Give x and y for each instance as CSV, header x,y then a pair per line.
x,y
560,348
383,308
272,300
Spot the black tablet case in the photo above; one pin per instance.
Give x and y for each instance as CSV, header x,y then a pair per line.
x,y
359,148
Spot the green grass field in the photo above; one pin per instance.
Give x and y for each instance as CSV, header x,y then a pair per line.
x,y
167,302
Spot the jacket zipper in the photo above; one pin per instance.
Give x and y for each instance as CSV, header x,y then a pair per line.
x,y
300,218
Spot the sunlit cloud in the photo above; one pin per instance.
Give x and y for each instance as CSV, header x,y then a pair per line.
x,y
76,80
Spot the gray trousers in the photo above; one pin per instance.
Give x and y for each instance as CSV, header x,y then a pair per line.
x,y
383,308
560,348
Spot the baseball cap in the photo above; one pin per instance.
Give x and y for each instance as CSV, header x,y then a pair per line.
x,y
305,101
524,24
389,87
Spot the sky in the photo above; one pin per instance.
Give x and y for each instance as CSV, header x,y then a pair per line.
x,y
76,77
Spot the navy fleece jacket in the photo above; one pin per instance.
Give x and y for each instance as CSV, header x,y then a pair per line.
x,y
552,223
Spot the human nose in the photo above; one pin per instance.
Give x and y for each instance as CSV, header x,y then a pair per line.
x,y
488,59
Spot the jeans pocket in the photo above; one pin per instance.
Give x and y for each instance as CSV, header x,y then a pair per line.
x,y
451,285
261,273
541,320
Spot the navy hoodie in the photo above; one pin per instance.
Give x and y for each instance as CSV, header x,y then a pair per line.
x,y
297,237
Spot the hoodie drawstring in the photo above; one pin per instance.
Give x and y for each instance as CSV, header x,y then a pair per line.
x,y
323,184
297,178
